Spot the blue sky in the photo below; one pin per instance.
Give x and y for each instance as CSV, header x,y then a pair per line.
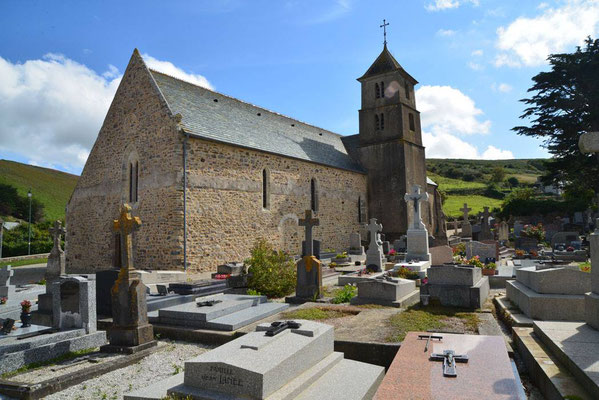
x,y
60,63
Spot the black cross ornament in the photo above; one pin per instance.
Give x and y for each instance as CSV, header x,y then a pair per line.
x,y
449,359
279,326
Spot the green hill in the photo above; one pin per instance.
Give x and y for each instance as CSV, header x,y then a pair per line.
x,y
53,188
466,181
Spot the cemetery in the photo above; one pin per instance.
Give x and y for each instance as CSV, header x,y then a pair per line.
x,y
212,249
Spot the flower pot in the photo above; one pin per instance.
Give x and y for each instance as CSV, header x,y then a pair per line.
x,y
418,282
25,319
488,271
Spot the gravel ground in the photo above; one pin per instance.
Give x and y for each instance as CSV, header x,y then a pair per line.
x,y
155,367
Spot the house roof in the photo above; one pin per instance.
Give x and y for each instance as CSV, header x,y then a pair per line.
x,y
384,63
210,115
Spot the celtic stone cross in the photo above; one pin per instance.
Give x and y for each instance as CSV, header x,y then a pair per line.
x,y
126,225
465,210
56,232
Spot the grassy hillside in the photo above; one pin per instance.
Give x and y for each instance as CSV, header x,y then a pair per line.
x,y
53,188
465,181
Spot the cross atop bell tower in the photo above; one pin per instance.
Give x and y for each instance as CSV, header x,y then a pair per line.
x,y
384,26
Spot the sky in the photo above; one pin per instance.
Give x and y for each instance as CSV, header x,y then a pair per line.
x,y
61,63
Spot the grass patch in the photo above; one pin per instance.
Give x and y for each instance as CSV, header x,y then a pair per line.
x,y
450,184
316,313
42,260
65,357
475,202
422,319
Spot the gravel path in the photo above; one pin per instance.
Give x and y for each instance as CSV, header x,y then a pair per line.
x,y
151,369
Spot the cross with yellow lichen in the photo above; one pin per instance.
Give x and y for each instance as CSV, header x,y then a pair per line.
x,y
126,225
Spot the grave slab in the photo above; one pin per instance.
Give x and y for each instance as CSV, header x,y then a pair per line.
x,y
457,286
488,374
395,292
540,306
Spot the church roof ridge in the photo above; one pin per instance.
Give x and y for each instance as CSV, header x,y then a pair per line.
x,y
248,103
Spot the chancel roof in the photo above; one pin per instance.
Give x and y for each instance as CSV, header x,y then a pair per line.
x,y
213,116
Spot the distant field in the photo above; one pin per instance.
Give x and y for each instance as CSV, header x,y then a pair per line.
x,y
449,184
53,188
475,202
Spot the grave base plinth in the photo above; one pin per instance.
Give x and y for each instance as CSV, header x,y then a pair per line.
x,y
131,336
591,309
110,348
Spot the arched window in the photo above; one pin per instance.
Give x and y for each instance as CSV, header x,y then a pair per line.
x,y
377,90
412,123
377,124
313,195
407,89
382,121
265,189
382,89
360,209
133,181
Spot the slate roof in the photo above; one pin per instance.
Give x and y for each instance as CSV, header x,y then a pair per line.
x,y
214,116
384,63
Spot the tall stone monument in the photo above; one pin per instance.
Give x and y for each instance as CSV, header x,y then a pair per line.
x,y
130,330
309,268
6,289
417,233
466,226
503,231
374,254
485,229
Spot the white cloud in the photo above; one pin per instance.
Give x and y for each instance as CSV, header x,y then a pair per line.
x,y
52,108
478,53
529,41
447,110
502,87
438,5
170,69
446,114
339,9
445,32
475,66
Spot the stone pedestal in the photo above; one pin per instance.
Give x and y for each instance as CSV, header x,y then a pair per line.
x,y
456,286
466,230
374,258
394,292
418,245
309,280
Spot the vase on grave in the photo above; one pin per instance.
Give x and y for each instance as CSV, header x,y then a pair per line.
x,y
25,319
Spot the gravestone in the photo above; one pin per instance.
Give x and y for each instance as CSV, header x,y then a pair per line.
x,y
460,286
578,218
6,289
400,244
518,226
387,291
503,231
418,243
74,301
466,227
564,237
54,269
315,248
280,360
441,255
355,244
130,331
550,231
309,268
527,244
374,255
482,250
415,373
485,229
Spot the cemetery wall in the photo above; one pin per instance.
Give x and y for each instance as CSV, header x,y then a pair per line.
x,y
226,213
137,127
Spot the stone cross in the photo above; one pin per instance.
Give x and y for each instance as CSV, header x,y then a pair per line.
x,y
374,229
465,210
486,214
416,197
126,225
56,232
308,222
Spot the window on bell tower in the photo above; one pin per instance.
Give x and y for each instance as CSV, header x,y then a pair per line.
x,y
382,89
407,89
377,123
382,121
377,90
411,120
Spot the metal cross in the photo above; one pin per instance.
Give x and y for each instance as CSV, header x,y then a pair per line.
x,y
279,326
56,231
384,26
449,359
309,221
126,225
416,196
465,210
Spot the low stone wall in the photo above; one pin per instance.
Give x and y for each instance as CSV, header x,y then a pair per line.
x,y
21,258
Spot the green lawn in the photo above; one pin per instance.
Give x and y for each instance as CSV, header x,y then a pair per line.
x,y
13,264
53,188
449,184
475,202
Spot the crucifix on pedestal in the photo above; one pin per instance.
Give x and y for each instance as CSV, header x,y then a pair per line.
x,y
309,274
308,222
465,210
416,197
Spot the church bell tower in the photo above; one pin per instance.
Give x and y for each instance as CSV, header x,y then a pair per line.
x,y
390,142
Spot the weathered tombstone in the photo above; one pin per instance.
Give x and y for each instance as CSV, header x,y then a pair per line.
x,y
441,255
456,286
482,250
466,227
386,291
74,301
527,243
355,244
564,237
374,254
503,231
400,244
6,289
418,243
130,331
280,360
309,268
416,373
518,226
485,229
578,218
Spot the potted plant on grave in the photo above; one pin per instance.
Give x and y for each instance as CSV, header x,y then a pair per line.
x,y
519,254
342,258
489,269
25,313
3,300
392,255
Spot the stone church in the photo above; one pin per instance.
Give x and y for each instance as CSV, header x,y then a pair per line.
x,y
209,174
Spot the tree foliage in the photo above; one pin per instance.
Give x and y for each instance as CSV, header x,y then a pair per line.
x,y
565,105
17,206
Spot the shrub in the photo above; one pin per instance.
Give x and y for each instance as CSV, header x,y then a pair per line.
x,y
345,294
491,265
534,232
272,273
407,273
341,255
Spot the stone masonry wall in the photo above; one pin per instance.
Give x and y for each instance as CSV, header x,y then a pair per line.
x,y
139,127
225,213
